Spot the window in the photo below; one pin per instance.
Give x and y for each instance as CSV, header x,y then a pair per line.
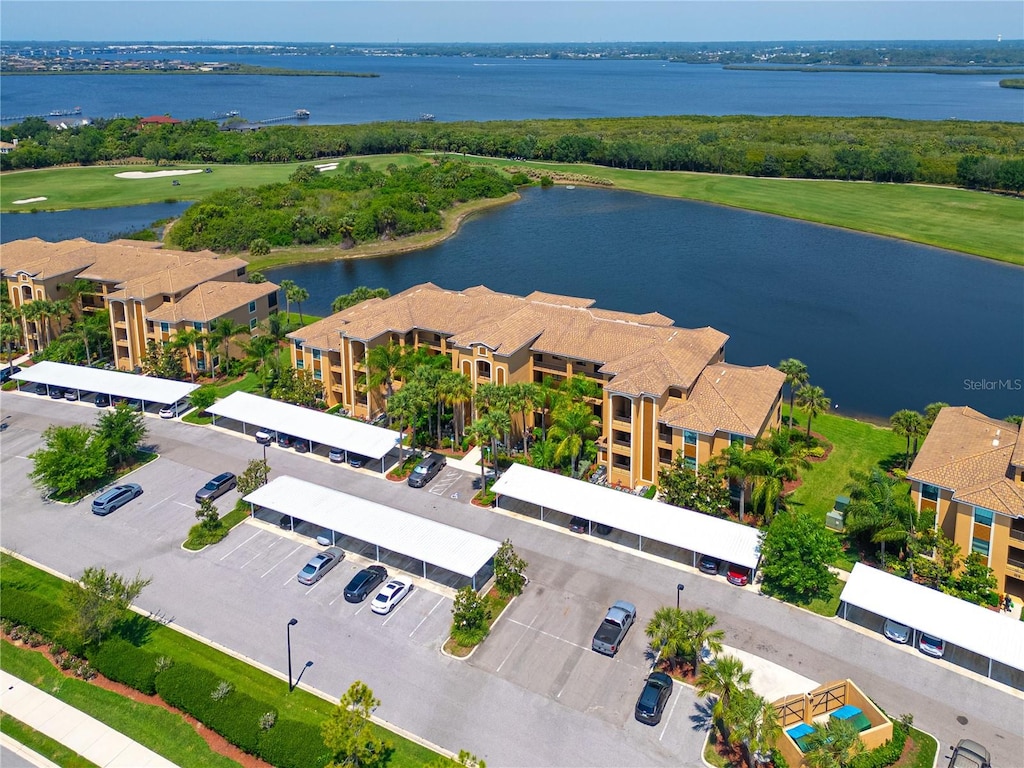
x,y
252,324
690,462
165,327
737,440
929,492
197,326
983,516
298,345
272,299
316,354
240,271
689,437
300,363
317,374
252,306
201,363
980,546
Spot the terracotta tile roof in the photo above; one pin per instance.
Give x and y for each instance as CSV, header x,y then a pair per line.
x,y
179,275
1017,459
43,260
970,454
553,298
211,300
728,398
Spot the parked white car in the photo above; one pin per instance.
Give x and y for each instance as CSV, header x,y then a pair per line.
x,y
390,595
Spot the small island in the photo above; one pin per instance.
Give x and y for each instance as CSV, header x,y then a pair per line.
x,y
15,64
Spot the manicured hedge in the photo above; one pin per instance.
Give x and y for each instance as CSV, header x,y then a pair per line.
x,y
292,744
236,717
122,662
29,610
188,688
885,755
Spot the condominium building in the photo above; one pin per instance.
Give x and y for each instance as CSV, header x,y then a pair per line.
x,y
968,481
151,293
663,388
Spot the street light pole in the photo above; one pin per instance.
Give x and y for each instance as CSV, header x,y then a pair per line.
x,y
679,588
288,632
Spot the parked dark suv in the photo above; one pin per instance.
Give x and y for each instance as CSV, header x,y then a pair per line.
x,y
364,582
217,487
426,469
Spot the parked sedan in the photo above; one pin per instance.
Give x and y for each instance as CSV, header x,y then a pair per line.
x,y
301,446
933,646
390,595
336,455
320,564
102,400
709,564
40,389
56,393
217,487
285,441
653,698
898,633
364,582
738,575
71,394
579,525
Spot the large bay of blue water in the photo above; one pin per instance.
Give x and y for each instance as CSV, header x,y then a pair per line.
x,y
454,89
881,324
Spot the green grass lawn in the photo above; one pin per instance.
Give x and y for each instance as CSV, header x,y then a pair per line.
x,y
165,641
42,744
961,220
163,732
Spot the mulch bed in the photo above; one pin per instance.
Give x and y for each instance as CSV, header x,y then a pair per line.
x,y
215,741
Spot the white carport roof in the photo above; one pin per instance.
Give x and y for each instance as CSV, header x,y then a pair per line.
x,y
732,542
936,613
117,383
326,429
435,543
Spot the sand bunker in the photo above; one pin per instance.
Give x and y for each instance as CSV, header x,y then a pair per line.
x,y
153,174
326,167
28,200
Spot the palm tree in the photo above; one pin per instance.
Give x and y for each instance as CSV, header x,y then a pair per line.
x,y
572,427
735,464
402,410
698,631
774,462
61,309
222,330
812,399
833,744
526,397
455,390
187,339
754,724
724,680
429,377
298,294
286,286
260,347
667,635
931,412
483,430
796,376
880,506
909,424
75,290
384,364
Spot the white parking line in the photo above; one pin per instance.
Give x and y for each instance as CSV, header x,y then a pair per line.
x,y
396,609
516,645
168,498
241,544
267,572
258,554
553,637
183,504
426,617
340,594
671,710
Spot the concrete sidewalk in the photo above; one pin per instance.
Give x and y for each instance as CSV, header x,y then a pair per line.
x,y
74,729
468,463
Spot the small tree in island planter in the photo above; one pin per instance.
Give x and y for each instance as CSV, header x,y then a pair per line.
x,y
509,567
471,619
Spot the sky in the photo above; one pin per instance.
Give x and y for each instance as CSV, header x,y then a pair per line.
x,y
499,21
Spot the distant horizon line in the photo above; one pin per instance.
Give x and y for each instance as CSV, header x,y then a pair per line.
x,y
381,44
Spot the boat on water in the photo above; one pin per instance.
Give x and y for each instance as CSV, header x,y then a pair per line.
x,y
426,117
302,114
66,112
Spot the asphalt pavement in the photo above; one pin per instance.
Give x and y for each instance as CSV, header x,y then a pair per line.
x,y
535,673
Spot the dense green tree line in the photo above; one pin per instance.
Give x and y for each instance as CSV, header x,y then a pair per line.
x,y
874,149
352,205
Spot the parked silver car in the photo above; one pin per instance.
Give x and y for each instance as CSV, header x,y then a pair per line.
x,y
320,564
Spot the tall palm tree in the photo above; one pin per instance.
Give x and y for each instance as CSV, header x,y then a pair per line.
x,y
75,290
384,364
186,340
62,309
909,424
724,680
526,396
34,312
484,430
403,409
429,377
455,390
698,629
667,635
812,399
796,376
298,294
754,724
222,331
260,347
572,427
735,465
931,412
880,506
286,287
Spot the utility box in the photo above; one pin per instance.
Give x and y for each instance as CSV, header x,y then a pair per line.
x,y
834,519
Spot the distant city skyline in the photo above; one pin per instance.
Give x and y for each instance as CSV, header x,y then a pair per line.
x,y
508,21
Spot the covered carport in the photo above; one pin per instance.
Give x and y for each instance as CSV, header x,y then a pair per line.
x,y
82,379
870,596
680,528
349,435
370,528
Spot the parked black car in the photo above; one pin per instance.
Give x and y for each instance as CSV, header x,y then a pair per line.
x,y
56,393
6,373
709,564
102,400
39,389
364,582
653,698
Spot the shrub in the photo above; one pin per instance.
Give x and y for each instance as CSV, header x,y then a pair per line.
x,y
237,717
122,662
885,755
291,744
188,688
25,608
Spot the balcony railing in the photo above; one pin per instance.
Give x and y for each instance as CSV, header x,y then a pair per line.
x,y
1016,533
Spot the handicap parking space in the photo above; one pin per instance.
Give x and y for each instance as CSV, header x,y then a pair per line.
x,y
452,483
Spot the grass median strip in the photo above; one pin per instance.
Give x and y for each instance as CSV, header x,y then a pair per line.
x,y
42,744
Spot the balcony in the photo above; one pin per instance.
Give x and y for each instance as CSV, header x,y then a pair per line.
x,y
553,366
1017,533
665,436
